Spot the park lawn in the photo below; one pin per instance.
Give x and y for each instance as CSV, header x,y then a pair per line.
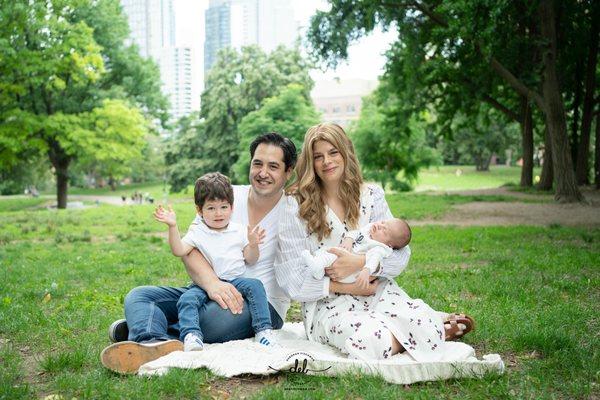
x,y
157,190
21,221
532,290
444,178
19,204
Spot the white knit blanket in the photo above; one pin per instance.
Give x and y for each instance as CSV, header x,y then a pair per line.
x,y
246,357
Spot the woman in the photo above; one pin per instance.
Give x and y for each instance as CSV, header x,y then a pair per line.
x,y
328,199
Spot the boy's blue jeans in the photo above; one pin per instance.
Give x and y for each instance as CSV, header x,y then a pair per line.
x,y
151,313
190,304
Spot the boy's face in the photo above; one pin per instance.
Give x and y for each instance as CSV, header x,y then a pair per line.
x,y
216,213
267,170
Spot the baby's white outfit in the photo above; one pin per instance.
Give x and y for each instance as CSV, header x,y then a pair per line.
x,y
363,244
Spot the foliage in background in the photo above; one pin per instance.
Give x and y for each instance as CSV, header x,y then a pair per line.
x,y
391,154
71,89
237,85
290,113
477,138
451,55
184,153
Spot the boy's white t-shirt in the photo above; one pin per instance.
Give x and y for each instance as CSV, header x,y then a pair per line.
x,y
222,249
263,268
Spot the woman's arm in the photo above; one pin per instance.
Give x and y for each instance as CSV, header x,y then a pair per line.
x,y
354,288
293,276
393,265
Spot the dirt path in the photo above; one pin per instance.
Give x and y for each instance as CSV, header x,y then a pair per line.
x,y
520,213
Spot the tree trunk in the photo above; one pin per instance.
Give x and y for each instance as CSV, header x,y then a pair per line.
x,y
60,161
526,143
112,182
597,162
583,151
576,106
554,111
547,178
62,183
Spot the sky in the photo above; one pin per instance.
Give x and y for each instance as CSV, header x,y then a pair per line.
x,y
365,59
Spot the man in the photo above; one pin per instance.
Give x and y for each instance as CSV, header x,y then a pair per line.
x,y
151,311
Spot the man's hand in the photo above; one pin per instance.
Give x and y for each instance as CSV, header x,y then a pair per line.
x,y
256,236
345,265
165,216
226,295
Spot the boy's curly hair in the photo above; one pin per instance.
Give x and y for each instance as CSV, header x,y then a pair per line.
x,y
213,186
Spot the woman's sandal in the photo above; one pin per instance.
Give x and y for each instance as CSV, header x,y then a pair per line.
x,y
453,328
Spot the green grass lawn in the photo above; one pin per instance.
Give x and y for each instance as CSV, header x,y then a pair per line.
x,y
154,189
534,292
447,178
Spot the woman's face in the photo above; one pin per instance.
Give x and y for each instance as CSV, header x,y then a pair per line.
x,y
328,162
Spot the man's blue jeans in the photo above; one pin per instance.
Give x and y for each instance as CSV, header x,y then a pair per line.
x,y
151,313
190,306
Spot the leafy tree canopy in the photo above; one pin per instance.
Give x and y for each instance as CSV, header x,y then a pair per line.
x,y
290,114
70,88
237,85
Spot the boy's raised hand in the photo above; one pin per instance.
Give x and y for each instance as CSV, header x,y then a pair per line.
x,y
256,236
165,216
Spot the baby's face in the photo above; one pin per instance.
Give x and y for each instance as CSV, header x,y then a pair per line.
x,y
216,213
383,231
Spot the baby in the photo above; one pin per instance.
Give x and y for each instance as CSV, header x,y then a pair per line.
x,y
376,241
228,247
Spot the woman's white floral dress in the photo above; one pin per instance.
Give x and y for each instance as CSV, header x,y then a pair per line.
x,y
362,326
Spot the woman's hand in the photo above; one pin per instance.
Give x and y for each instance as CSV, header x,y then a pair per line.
x,y
345,265
354,288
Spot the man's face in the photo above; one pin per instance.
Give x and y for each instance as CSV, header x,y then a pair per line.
x,y
267,170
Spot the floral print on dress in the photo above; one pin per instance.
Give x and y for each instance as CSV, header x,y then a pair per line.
x,y
363,327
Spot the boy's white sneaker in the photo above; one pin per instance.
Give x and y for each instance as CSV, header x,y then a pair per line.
x,y
192,342
266,338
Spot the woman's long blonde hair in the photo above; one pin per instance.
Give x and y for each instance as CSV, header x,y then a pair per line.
x,y
308,188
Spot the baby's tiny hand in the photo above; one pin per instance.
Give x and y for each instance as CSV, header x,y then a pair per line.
x,y
256,236
362,280
165,216
347,244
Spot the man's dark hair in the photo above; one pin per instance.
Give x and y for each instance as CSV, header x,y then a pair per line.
x,y
286,145
213,186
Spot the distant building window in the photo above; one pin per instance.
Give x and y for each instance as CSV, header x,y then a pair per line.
x,y
350,108
336,109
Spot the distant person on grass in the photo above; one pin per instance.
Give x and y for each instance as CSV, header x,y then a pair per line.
x,y
229,247
151,326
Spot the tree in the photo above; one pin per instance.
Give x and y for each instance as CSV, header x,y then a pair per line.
x,y
479,138
290,113
184,157
237,85
61,93
478,39
385,149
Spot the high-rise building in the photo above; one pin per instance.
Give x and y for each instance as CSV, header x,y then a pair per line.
x,y
152,28
217,31
176,66
238,23
151,25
